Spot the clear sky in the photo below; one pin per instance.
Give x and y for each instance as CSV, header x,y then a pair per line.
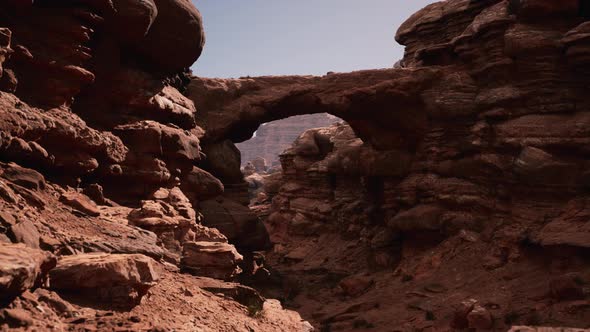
x,y
277,37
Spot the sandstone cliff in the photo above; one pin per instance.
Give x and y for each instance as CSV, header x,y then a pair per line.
x,y
100,184
456,197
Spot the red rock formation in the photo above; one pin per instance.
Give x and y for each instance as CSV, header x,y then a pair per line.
x,y
91,117
457,197
467,182
273,138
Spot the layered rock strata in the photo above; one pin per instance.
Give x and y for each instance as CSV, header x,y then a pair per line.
x,y
456,197
460,186
100,177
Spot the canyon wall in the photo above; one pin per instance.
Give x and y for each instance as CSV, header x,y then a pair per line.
x,y
457,198
101,189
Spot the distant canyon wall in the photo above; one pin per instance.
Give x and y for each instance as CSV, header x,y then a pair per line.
x,y
271,139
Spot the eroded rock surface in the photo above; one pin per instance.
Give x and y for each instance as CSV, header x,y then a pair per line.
x,y
100,170
274,137
22,268
462,173
217,260
455,197
119,280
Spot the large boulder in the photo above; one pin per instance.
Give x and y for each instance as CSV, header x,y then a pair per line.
x,y
80,202
211,259
158,140
223,160
19,230
22,268
201,185
133,19
236,221
25,177
121,280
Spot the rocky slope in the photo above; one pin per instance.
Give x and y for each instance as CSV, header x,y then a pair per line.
x,y
458,196
100,184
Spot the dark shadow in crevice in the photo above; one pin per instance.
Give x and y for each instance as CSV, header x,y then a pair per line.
x,y
584,6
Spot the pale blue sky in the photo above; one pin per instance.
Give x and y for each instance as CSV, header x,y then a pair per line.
x,y
275,37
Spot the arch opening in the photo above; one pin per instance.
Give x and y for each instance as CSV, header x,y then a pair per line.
x,y
272,138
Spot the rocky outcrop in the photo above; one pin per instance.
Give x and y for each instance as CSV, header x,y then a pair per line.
x,y
101,170
469,157
443,203
22,268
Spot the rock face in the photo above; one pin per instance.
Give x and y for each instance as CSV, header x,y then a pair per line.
x,y
101,169
211,259
273,138
22,268
470,156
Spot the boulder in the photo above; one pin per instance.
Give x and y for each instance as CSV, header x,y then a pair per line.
x,y
133,19
255,181
571,228
159,140
112,278
260,164
355,285
206,234
247,296
418,218
178,26
80,202
25,231
16,317
25,177
237,222
248,169
211,259
22,268
534,165
460,320
201,185
480,318
96,193
170,215
223,159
